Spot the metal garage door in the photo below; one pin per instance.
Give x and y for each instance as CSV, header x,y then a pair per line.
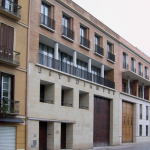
x,y
7,138
101,122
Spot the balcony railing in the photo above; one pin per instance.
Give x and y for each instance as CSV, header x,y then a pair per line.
x,y
83,107
126,90
111,56
147,77
46,101
48,22
132,92
9,56
11,7
99,50
67,32
125,66
11,106
140,95
146,97
66,104
133,69
85,42
141,73
70,69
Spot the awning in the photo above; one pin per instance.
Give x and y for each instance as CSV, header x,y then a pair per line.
x,y
15,120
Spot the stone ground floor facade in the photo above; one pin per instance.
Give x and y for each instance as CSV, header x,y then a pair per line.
x,y
69,112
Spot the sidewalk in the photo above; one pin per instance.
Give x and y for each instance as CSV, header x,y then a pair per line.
x,y
124,146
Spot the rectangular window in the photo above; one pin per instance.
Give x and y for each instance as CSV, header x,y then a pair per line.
x,y
42,93
140,111
99,45
146,112
146,130
95,74
97,40
108,47
45,11
140,130
46,55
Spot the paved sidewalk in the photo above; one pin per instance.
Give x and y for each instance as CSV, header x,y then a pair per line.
x,y
129,146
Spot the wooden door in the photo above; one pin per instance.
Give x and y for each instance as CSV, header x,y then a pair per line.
x,y
127,122
63,135
101,122
42,135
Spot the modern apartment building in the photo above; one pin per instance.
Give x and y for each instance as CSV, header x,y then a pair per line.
x,y
13,69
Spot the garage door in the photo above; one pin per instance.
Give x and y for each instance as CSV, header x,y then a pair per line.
x,y
101,122
7,138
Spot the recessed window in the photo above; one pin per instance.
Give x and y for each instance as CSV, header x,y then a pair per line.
x,y
67,27
146,130
140,69
146,112
125,64
146,73
140,130
133,65
140,111
99,45
124,88
47,16
84,37
110,52
83,100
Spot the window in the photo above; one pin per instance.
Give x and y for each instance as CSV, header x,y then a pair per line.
x,y
82,69
95,74
146,112
146,73
140,111
98,45
140,130
67,27
146,130
46,55
7,91
110,52
84,36
140,69
133,68
83,100
125,65
47,16
140,92
125,89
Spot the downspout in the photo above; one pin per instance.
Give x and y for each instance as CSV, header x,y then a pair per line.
x,y
28,37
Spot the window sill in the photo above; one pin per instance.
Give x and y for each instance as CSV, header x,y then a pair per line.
x,y
99,54
67,38
111,61
50,29
85,47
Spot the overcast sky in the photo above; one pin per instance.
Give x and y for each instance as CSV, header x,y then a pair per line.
x,y
128,18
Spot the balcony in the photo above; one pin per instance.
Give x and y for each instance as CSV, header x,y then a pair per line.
x,y
133,69
84,42
111,57
47,23
10,9
99,50
9,106
67,33
9,56
141,73
147,77
67,68
132,92
125,66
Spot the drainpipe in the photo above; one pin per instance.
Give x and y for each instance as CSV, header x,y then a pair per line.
x,y
26,125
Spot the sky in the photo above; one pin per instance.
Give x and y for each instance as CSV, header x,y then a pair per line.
x,y
128,18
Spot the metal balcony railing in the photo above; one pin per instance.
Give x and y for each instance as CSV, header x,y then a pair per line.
x,y
48,22
67,32
147,77
125,66
132,92
141,73
66,104
11,7
70,69
99,50
146,97
83,107
9,55
11,106
111,56
46,101
133,69
126,90
85,42
140,95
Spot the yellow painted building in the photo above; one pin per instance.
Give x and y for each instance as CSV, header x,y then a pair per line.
x,y
13,73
